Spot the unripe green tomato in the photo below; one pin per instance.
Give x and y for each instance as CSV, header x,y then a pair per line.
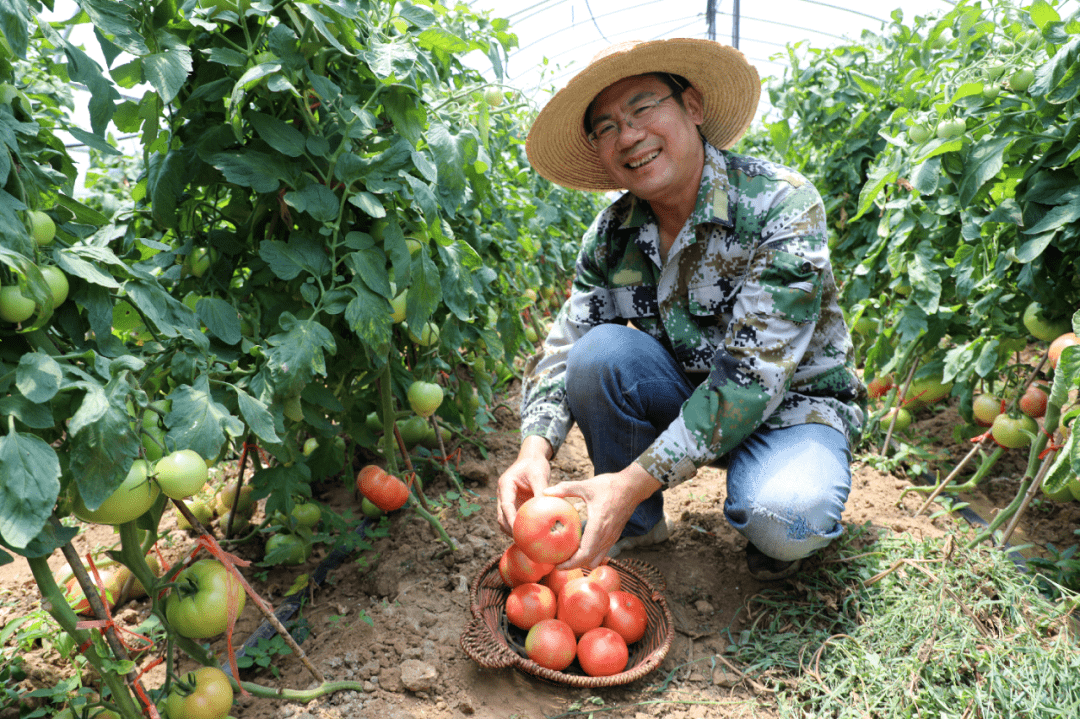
x,y
493,96
310,445
530,334
398,307
1021,80
57,282
14,306
918,134
130,500
950,129
428,336
198,262
42,228
990,92
369,509
903,418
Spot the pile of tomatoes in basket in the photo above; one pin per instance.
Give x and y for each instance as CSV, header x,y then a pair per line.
x,y
566,613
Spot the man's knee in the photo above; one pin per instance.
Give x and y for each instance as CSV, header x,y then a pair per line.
x,y
791,526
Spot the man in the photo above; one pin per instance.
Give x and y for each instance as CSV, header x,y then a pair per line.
x,y
703,323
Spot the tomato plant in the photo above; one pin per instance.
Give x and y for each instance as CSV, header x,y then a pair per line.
x,y
202,694
199,603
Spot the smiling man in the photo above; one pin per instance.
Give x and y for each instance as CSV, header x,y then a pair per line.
x,y
703,325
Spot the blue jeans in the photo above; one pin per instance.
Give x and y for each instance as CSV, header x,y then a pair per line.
x,y
786,488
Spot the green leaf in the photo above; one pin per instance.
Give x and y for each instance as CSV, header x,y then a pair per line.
x,y
301,254
452,153
368,204
968,89
880,176
33,414
259,171
435,38
166,180
15,17
370,265
196,421
83,213
461,266
983,163
418,16
297,354
220,318
1034,247
38,376
938,146
1058,80
321,23
31,472
118,22
168,71
1062,470
927,176
226,56
407,114
315,199
279,135
164,312
425,291
391,60
1042,13
103,444
257,416
368,315
87,138
1056,218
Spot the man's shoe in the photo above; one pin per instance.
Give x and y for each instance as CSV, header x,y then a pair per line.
x,y
659,533
768,569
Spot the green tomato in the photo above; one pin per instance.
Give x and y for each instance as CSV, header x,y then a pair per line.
x,y
1021,80
950,129
1042,327
202,694
132,498
310,445
307,514
1010,432
428,336
413,430
493,96
42,228
903,418
373,423
181,474
14,306
530,334
398,307
425,398
368,508
198,262
918,134
990,92
57,282
153,441
287,549
198,605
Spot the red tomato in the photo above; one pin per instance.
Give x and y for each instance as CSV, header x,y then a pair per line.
x,y
556,579
602,652
516,568
384,490
1056,347
985,408
583,605
529,604
1034,400
627,616
551,644
879,386
548,529
607,577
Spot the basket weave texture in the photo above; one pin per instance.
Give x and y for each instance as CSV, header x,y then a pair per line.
x,y
493,643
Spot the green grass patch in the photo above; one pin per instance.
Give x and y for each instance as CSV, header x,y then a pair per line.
x,y
902,627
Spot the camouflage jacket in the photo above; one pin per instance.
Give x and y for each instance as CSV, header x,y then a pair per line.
x,y
747,295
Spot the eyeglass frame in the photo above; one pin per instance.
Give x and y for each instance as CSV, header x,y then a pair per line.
x,y
649,105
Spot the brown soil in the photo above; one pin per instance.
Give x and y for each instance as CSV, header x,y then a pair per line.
x,y
391,619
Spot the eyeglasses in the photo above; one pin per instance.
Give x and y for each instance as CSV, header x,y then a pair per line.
x,y
638,117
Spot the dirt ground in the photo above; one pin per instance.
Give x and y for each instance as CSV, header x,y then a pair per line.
x,y
393,621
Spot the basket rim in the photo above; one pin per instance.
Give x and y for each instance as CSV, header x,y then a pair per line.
x,y
478,629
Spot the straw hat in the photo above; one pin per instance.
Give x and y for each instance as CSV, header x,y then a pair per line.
x,y
557,146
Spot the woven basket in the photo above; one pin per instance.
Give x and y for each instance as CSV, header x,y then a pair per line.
x,y
494,643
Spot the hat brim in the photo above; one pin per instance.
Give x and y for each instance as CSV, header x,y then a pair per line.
x,y
730,87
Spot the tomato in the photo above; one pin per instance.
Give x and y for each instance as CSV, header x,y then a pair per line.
x,y
385,491
1021,80
370,510
429,335
627,616
950,129
556,579
602,652
903,418
202,694
879,386
198,606
42,227
414,430
425,398
918,134
530,603
1034,401
130,500
57,282
1009,431
1042,327
530,334
551,644
924,391
181,474
197,263
583,605
990,92
607,577
307,515
310,445
1056,347
202,509
14,306
397,307
985,407
226,497
493,96
287,549
548,529
516,568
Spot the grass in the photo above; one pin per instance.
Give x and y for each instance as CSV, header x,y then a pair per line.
x,y
902,627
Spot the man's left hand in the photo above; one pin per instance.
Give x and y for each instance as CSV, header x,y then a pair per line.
x,y
610,500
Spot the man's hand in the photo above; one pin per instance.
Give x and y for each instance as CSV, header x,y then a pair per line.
x,y
610,500
525,478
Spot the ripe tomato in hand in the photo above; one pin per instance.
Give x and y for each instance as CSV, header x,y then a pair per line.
x,y
202,694
627,616
198,606
602,652
548,529
384,490
551,644
530,603
583,605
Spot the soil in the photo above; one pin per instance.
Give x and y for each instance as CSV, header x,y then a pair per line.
x,y
391,618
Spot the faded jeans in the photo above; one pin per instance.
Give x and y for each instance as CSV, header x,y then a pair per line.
x,y
786,487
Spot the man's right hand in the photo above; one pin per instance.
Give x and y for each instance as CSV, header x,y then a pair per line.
x,y
525,478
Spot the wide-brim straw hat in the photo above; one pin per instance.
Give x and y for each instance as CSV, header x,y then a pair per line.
x,y
730,87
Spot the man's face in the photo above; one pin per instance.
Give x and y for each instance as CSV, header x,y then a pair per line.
x,y
661,159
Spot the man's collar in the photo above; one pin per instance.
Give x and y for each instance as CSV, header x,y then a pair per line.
x,y
712,201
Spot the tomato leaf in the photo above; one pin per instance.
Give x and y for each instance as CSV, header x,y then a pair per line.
x,y
1059,79
197,422
167,71
279,135
368,315
316,199
31,472
257,416
220,318
38,376
103,443
982,164
298,354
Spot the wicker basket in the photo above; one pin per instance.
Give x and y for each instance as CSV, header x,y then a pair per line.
x,y
494,643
